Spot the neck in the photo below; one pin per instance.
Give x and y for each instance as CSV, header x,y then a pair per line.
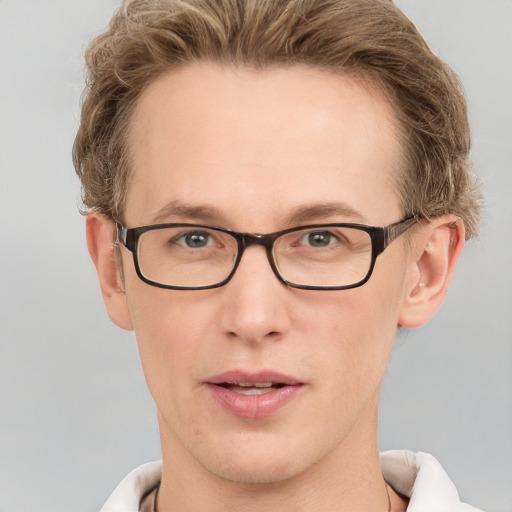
x,y
348,478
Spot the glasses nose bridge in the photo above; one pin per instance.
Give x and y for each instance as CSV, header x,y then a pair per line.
x,y
248,239
266,241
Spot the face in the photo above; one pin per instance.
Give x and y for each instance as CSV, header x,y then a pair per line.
x,y
262,151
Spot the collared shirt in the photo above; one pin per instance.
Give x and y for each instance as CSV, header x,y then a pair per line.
x,y
417,476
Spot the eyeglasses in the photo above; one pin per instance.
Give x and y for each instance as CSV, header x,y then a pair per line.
x,y
314,257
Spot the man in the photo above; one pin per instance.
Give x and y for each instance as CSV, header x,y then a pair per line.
x,y
273,188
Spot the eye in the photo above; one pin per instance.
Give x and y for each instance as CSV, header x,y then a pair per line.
x,y
318,238
194,239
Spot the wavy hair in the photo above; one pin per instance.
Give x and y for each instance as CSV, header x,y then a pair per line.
x,y
371,38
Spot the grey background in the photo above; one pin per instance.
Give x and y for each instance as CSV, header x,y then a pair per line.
x,y
75,415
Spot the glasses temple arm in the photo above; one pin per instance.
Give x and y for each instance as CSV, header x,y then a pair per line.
x,y
395,230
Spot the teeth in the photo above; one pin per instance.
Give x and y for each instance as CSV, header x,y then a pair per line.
x,y
251,388
252,391
255,385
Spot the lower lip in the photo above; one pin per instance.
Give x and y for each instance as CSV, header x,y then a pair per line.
x,y
254,406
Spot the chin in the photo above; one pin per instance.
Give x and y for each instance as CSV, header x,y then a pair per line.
x,y
259,464
255,473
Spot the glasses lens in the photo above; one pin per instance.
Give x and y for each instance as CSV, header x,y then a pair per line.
x,y
186,256
324,256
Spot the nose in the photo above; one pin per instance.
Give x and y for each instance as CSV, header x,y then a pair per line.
x,y
256,305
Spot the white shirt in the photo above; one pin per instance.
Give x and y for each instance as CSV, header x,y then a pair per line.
x,y
417,476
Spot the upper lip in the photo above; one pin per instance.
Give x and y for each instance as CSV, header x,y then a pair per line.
x,y
235,377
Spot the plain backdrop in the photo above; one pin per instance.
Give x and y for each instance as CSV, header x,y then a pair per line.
x,y
75,415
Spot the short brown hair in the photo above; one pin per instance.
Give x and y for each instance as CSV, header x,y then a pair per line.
x,y
371,38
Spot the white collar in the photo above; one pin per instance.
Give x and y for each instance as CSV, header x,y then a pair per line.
x,y
421,478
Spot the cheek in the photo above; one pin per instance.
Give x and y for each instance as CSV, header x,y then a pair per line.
x,y
354,330
361,340
169,337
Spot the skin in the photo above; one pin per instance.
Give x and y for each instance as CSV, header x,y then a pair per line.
x,y
248,151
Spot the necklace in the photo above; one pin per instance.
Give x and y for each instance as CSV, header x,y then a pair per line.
x,y
156,496
158,488
387,492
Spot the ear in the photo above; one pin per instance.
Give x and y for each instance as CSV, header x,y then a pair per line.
x,y
436,249
101,233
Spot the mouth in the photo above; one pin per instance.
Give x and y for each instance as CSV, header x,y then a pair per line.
x,y
258,388
249,395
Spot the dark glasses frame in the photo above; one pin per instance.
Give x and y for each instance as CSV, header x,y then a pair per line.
x,y
381,237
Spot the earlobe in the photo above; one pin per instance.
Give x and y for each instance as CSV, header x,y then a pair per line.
x,y
436,249
100,233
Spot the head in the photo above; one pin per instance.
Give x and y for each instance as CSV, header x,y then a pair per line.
x,y
259,116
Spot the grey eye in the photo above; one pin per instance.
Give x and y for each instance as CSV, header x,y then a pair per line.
x,y
319,238
195,239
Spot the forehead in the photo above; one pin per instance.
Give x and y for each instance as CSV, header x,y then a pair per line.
x,y
256,144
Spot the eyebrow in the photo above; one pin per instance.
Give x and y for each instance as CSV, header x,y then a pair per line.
x,y
322,210
302,213
192,212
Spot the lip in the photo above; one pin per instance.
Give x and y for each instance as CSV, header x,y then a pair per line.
x,y
253,406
